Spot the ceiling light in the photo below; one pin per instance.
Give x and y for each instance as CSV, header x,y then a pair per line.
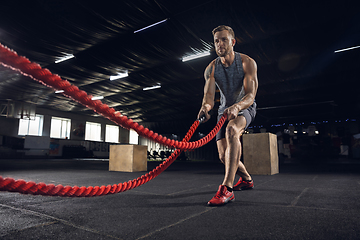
x,y
195,56
346,49
153,87
120,75
97,98
66,57
150,26
59,91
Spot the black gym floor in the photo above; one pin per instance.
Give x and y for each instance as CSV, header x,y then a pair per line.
x,y
303,201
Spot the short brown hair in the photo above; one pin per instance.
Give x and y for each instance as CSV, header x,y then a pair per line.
x,y
222,28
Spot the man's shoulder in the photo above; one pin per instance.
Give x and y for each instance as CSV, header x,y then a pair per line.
x,y
246,59
214,60
243,55
248,63
212,63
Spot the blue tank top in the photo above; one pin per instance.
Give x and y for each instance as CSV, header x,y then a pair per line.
x,y
229,80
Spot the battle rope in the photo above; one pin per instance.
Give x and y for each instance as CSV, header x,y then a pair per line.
x,y
11,185
10,59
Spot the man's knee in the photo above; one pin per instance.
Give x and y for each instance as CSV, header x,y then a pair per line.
x,y
232,131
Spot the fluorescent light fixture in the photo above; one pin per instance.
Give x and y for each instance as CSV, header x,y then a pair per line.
x,y
195,56
120,75
150,26
346,49
153,87
59,91
97,98
66,57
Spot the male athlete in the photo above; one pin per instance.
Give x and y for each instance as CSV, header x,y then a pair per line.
x,y
235,75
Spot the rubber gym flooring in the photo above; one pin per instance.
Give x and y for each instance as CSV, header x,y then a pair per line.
x,y
303,201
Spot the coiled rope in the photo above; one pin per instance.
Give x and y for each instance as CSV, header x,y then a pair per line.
x,y
12,60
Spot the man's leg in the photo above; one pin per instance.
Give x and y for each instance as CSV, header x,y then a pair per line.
x,y
221,145
233,165
230,147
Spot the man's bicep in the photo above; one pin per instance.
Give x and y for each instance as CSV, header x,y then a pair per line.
x,y
208,72
250,79
209,79
250,85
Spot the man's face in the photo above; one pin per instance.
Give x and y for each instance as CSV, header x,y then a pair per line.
x,y
223,43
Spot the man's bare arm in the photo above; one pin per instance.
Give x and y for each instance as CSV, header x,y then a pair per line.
x,y
209,91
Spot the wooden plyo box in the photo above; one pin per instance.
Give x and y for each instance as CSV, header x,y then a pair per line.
x,y
128,158
260,153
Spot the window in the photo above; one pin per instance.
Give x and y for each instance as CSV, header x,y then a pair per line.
x,y
60,127
112,133
134,137
31,127
93,131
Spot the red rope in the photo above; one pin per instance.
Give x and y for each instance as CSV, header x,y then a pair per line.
x,y
10,59
11,185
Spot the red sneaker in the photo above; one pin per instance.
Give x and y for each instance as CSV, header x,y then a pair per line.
x,y
222,197
243,185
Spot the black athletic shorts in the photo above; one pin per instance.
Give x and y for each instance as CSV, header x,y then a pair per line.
x,y
249,115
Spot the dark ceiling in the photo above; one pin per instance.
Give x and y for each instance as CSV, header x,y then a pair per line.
x,y
293,43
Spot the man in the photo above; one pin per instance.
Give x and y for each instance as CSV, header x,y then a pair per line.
x,y
235,75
